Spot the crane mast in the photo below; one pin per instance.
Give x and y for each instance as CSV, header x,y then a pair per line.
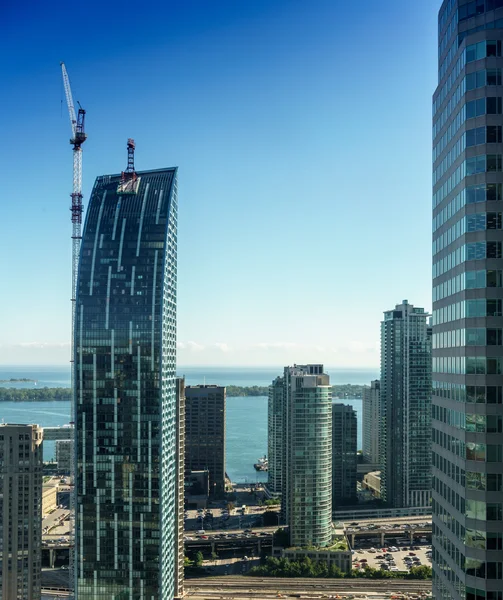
x,y
78,138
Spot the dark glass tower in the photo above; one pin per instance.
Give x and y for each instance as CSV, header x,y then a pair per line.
x,y
125,354
344,442
467,303
205,433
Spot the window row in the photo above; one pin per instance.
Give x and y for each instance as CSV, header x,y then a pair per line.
x,y
468,167
477,7
470,251
473,194
482,569
466,309
471,9
469,280
475,594
492,24
483,511
467,224
467,365
485,77
472,336
472,394
471,53
472,137
467,421
486,482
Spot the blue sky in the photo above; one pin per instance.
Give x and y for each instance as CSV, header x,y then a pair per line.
x,y
302,133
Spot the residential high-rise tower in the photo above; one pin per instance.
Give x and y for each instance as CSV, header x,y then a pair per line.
x,y
307,485
20,512
126,412
276,446
467,303
405,398
371,417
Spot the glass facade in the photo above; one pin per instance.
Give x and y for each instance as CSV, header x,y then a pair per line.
x,y
205,434
405,400
125,391
308,473
467,303
344,444
371,417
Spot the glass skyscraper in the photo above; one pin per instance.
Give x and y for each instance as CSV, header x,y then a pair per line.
x,y
307,484
467,303
344,442
405,401
125,394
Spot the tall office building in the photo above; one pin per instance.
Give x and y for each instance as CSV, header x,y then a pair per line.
x,y
467,303
344,441
125,355
20,511
276,447
205,433
405,396
371,417
307,485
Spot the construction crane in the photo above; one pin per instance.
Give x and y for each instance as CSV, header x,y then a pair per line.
x,y
78,138
129,179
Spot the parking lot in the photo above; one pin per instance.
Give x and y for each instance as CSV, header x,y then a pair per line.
x,y
393,558
220,518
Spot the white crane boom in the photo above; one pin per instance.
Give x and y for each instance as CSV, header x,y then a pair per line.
x,y
69,99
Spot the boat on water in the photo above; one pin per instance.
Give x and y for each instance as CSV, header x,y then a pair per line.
x,y
262,464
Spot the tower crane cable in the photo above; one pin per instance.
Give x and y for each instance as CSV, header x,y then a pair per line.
x,y
77,122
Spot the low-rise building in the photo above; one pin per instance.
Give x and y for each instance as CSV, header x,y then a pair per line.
x,y
49,497
372,482
338,553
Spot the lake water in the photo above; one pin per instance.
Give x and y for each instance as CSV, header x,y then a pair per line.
x,y
246,420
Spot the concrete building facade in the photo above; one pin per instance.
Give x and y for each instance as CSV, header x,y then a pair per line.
x,y
307,495
205,433
64,455
371,417
344,441
125,390
21,463
405,398
467,303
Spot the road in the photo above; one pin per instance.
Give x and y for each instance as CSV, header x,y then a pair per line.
x,y
262,588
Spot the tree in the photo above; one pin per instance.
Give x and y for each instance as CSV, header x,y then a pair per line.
x,y
214,556
422,572
198,559
230,506
281,538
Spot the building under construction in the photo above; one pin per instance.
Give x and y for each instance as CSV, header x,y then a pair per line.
x,y
128,536
126,408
